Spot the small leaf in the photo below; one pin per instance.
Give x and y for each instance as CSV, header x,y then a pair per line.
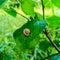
x,y
28,7
8,7
11,12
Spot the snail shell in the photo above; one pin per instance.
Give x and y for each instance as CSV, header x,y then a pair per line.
x,y
26,32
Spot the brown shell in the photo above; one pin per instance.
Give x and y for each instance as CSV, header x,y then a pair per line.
x,y
26,32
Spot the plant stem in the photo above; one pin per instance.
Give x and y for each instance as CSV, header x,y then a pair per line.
x,y
48,35
43,9
20,14
50,56
23,16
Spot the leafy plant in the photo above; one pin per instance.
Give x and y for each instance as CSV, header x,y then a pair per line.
x,y
30,30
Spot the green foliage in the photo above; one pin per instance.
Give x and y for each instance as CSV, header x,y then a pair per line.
x,y
47,3
6,47
1,2
14,45
28,7
57,57
35,27
38,16
11,12
44,45
56,3
8,24
54,21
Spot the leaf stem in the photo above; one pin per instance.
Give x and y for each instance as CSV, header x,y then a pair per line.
x,y
43,10
22,15
19,13
48,35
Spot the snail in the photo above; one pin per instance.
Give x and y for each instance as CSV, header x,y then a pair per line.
x,y
26,32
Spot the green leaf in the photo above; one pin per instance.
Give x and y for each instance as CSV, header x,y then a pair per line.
x,y
54,21
9,22
11,12
8,7
44,45
1,2
28,7
57,3
35,27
